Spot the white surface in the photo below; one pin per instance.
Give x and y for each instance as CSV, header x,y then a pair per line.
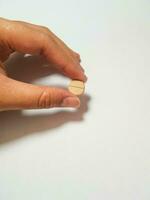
x,y
101,151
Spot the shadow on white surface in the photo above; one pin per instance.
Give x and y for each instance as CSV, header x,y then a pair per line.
x,y
16,124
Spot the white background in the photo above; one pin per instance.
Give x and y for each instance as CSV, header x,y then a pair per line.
x,y
102,150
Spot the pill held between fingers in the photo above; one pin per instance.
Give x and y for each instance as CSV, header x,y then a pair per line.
x,y
76,87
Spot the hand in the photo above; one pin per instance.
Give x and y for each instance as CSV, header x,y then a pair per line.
x,y
33,39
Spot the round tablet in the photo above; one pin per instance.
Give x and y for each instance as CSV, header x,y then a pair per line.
x,y
76,87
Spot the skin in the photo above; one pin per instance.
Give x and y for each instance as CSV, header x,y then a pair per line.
x,y
33,39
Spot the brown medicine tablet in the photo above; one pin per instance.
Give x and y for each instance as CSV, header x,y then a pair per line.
x,y
76,87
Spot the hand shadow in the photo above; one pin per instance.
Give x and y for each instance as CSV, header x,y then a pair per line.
x,y
28,68
16,124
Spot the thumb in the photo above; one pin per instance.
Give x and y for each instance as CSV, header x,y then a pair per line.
x,y
19,95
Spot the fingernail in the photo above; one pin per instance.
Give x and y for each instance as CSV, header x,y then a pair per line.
x,y
71,102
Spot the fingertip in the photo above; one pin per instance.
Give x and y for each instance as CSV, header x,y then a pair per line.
x,y
83,78
80,76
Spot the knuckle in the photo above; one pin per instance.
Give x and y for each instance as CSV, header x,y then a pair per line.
x,y
78,56
49,98
43,39
46,29
45,99
46,39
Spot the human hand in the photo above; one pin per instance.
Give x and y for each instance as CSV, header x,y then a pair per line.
x,y
33,39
